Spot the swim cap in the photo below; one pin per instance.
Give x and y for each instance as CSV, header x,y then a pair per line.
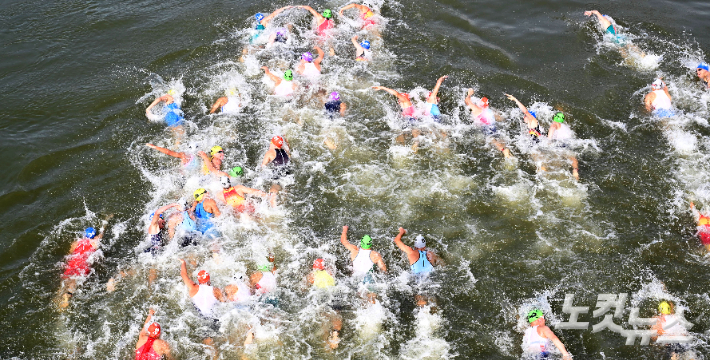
x,y
288,75
231,91
236,171
216,149
704,66
365,45
266,267
366,242
420,242
225,182
533,114
259,17
319,264
657,84
334,96
664,308
484,100
559,117
307,56
154,330
90,232
281,31
278,141
199,194
152,215
534,315
172,92
203,277
239,277
327,14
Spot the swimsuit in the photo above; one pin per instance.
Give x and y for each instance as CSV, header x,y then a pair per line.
x,y
285,89
366,56
204,300
433,111
173,116
534,343
324,26
362,264
321,279
156,243
422,266
204,225
280,162
535,133
267,283
150,354
239,203
408,111
310,71
366,21
78,260
333,106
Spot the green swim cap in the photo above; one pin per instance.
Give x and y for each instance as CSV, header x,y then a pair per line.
x,y
559,117
327,14
236,171
534,315
266,267
288,75
366,242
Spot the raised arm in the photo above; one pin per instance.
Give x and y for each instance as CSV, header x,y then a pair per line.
x,y
468,101
320,57
435,91
345,242
310,9
359,49
167,98
358,6
192,288
602,20
391,91
144,330
648,101
218,104
271,16
248,190
160,211
398,241
175,154
274,78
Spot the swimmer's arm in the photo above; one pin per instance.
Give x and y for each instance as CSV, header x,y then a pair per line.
x,y
192,288
219,103
520,105
247,190
267,158
343,108
315,13
271,76
468,101
379,261
552,130
658,326
547,333
434,259
345,242
346,7
358,47
272,39
168,152
391,91
144,330
218,294
213,206
398,241
271,16
602,20
435,91
648,100
155,102
320,57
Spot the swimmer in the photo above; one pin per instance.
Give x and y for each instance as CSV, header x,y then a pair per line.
x,y
363,258
483,116
432,101
404,102
262,22
263,281
279,36
279,156
230,103
538,337
668,324
238,290
703,226
213,164
362,50
608,27
703,72
77,266
204,296
149,345
323,278
205,208
184,223
324,24
335,105
658,101
309,67
282,87
560,133
366,15
173,114
421,261
188,161
235,195
530,120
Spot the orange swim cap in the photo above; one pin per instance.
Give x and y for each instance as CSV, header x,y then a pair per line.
x,y
154,330
278,141
203,277
319,264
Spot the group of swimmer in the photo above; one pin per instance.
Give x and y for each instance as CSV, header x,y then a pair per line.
x,y
189,222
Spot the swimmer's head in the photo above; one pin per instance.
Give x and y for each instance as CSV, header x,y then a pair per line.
x,y
239,277
534,314
307,56
216,150
334,96
150,218
199,194
664,308
281,32
90,233
703,66
559,117
265,267
172,92
327,14
288,75
203,277
420,242
154,330
259,17
366,242
231,91
224,180
533,114
236,172
278,141
484,100
658,84
365,45
319,264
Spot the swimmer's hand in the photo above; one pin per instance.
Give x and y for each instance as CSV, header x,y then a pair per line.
x,y
377,87
470,92
151,312
443,77
402,230
345,228
511,97
692,206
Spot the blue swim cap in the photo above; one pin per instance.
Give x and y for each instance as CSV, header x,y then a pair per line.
x,y
533,114
259,16
90,233
704,66
365,44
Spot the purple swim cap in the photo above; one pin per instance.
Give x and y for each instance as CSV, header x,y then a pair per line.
x,y
307,56
334,96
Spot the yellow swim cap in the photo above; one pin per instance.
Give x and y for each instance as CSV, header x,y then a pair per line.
x,y
172,92
664,308
199,194
231,91
215,149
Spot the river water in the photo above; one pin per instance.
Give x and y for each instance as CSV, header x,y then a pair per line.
x,y
76,77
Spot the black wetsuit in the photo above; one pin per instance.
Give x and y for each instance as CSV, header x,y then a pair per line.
x,y
281,164
333,106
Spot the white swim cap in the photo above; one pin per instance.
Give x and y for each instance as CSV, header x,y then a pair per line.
x,y
420,242
657,84
224,180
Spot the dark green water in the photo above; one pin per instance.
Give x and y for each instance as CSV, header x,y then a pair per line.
x,y
75,78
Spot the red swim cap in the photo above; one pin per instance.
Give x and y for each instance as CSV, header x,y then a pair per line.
x,y
319,264
154,330
484,100
278,141
203,277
